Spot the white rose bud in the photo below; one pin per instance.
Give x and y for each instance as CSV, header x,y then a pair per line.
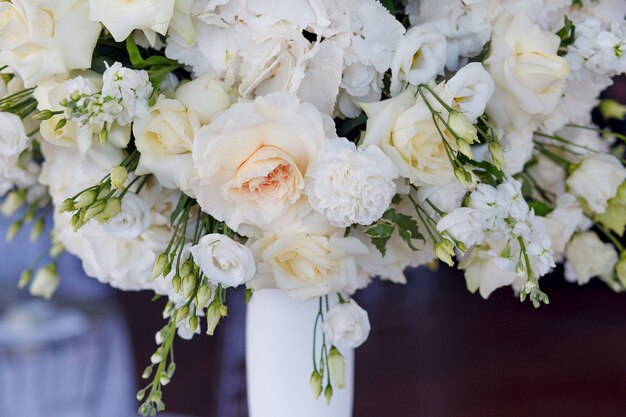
x,y
347,325
223,260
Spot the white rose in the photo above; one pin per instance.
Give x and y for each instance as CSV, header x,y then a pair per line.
x,y
471,89
420,57
121,17
13,139
403,128
165,139
563,222
351,186
206,96
224,261
588,257
529,75
347,325
482,273
133,219
251,161
308,260
596,180
39,40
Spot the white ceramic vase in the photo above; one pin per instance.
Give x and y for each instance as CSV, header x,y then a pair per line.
x,y
279,340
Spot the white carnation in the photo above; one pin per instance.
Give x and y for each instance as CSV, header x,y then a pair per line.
x,y
351,186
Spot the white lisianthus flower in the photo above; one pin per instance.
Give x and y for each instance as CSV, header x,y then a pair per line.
x,y
464,224
445,197
403,128
121,17
347,325
133,219
484,274
224,261
471,89
251,161
563,222
529,75
351,186
13,139
420,57
596,180
46,282
307,260
38,39
587,257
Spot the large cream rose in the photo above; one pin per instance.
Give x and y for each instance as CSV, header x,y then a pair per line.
x,y
250,162
403,128
39,39
530,77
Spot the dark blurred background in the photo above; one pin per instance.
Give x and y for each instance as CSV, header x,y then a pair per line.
x,y
435,350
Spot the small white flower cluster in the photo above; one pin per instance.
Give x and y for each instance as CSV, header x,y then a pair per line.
x,y
599,49
124,97
498,225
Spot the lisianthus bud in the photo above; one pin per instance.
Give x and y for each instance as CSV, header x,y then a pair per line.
x,y
61,124
157,356
56,249
463,127
316,384
442,252
95,209
337,367
464,148
182,313
611,109
463,177
177,284
328,393
13,230
113,208
189,284
85,199
37,229
213,316
497,154
43,115
203,296
193,323
13,202
160,265
119,175
67,205
46,282
104,136
25,278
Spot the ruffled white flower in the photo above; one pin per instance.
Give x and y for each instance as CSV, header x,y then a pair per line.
x,y
562,222
121,17
471,89
596,180
351,186
224,261
251,162
347,325
588,257
13,139
419,58
38,40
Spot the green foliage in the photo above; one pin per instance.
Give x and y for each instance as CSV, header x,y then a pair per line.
x,y
567,34
381,231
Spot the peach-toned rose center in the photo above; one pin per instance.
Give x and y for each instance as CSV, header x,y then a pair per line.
x,y
272,182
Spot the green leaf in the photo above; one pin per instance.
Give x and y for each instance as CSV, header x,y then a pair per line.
x,y
379,234
567,34
389,5
408,229
540,208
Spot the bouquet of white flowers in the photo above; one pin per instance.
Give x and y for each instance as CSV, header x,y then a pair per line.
x,y
192,147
